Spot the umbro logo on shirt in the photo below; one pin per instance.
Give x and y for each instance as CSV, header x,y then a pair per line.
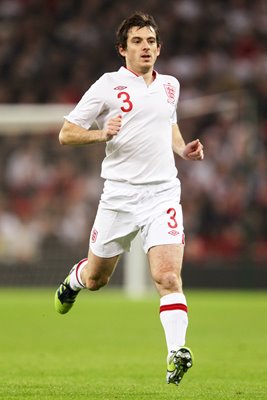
x,y
120,87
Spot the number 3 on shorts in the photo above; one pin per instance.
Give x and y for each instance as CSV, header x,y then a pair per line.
x,y
172,214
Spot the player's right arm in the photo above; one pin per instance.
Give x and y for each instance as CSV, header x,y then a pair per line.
x,y
72,134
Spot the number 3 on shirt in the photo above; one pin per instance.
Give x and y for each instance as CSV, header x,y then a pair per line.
x,y
125,97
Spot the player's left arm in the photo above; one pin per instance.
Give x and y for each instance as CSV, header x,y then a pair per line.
x,y
190,151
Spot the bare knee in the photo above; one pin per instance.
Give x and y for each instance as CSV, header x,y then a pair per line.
x,y
168,281
94,280
96,283
165,265
98,271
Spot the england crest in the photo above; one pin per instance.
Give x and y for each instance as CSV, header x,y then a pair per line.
x,y
170,92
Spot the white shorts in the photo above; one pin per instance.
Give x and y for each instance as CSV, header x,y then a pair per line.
x,y
125,209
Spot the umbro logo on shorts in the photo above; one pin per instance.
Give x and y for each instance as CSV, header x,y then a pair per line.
x,y
173,233
120,87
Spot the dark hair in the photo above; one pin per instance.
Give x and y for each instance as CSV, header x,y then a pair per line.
x,y
140,20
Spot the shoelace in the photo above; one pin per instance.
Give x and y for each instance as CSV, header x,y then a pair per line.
x,y
68,295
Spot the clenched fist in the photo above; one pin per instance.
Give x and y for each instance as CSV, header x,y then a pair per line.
x,y
112,128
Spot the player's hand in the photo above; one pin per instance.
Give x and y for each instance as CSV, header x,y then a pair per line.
x,y
193,150
112,128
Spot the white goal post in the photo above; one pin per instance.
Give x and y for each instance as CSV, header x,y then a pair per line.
x,y
36,119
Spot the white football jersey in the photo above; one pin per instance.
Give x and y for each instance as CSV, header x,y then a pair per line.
x,y
142,150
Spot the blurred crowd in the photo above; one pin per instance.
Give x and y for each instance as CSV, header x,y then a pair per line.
x,y
51,51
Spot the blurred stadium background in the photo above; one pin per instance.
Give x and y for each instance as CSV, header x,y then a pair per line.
x,y
51,52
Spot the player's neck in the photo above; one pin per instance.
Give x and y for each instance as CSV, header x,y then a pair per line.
x,y
148,75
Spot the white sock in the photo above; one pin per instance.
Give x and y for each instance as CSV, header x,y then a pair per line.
x,y
75,277
173,316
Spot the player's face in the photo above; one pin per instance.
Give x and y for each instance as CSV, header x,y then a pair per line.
x,y
142,49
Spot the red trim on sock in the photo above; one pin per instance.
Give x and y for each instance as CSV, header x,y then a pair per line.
x,y
171,307
78,266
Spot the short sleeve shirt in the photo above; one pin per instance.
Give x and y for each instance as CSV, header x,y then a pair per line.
x,y
142,151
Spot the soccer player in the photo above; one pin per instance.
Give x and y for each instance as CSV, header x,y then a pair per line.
x,y
135,111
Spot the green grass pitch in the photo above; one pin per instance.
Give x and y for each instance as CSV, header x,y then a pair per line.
x,y
111,347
